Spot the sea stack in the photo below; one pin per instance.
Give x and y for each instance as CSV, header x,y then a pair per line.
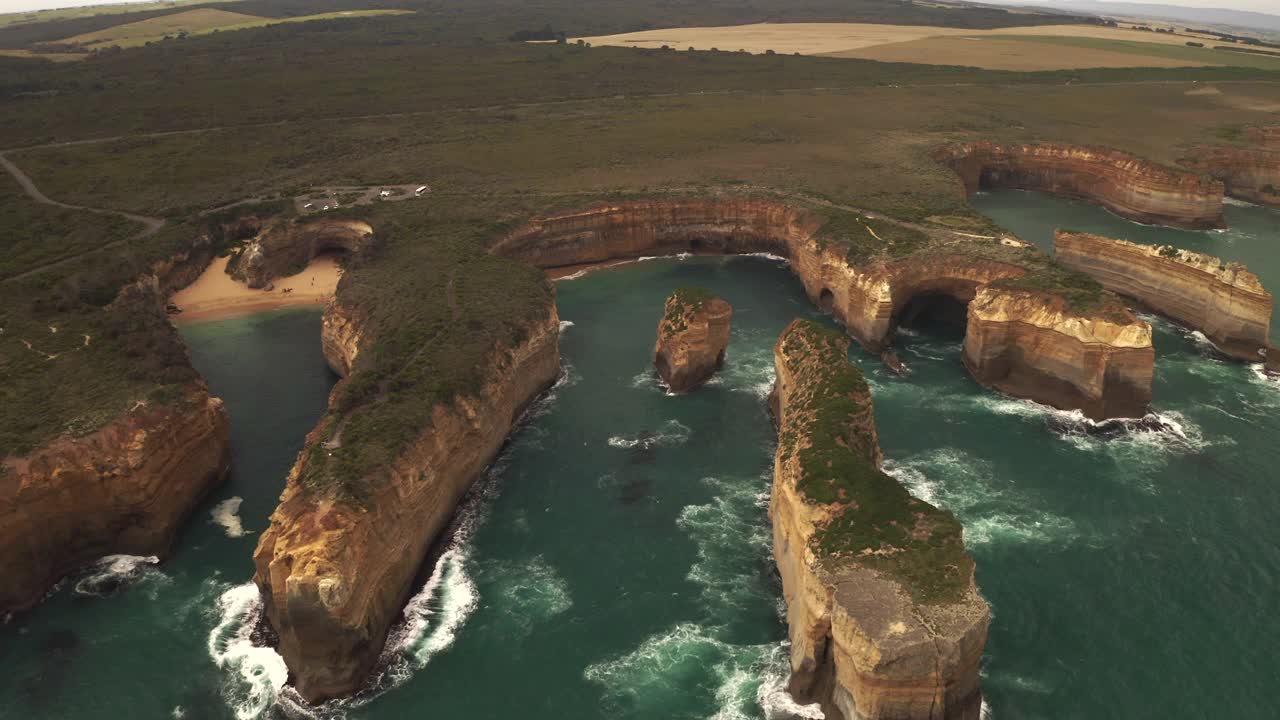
x,y
1221,299
884,616
692,337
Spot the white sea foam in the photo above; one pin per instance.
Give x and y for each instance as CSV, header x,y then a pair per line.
x,y
766,256
256,674
108,574
565,325
1236,202
574,276
527,591
751,372
672,432
433,617
227,514
967,486
731,534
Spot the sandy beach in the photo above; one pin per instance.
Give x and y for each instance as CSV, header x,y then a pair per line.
x,y
215,295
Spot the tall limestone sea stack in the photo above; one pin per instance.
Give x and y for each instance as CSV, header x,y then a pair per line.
x,y
883,613
1223,300
692,337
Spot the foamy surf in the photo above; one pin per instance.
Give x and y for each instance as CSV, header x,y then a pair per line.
x,y
731,533
227,514
433,617
256,675
109,574
672,432
991,513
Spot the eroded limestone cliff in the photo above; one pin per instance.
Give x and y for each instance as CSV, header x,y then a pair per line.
x,y
1223,300
1246,173
285,248
1265,136
124,489
1126,184
1033,345
340,337
335,572
692,337
884,616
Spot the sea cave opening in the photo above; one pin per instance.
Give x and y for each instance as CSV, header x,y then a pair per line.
x,y
937,314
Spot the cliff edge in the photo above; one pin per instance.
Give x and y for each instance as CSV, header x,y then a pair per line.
x,y
883,613
1223,300
692,337
1125,184
335,569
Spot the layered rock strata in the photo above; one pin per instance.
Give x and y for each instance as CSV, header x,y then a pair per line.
x,y
1247,174
866,299
123,489
1034,346
883,613
334,574
1223,300
1125,184
692,337
340,336
285,248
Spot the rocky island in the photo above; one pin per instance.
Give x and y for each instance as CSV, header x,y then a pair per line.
x,y
1223,300
884,616
1125,184
692,337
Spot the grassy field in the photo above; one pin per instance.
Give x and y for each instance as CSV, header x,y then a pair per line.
x,y
501,130
1047,47
39,16
199,21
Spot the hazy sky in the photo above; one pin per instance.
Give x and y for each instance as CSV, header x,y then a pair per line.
x,y
1267,6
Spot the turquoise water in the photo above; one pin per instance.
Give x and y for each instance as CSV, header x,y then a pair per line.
x,y
615,562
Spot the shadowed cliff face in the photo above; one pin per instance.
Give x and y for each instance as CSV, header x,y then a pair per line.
x,y
1248,174
1123,183
1224,301
334,573
286,249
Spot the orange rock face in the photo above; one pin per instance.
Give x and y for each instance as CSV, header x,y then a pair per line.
x,y
284,249
335,575
1248,174
124,489
863,644
1124,183
692,337
1224,301
1031,346
1268,137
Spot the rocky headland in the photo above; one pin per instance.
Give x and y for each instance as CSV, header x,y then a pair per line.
x,y
1035,345
335,568
285,247
1223,300
884,616
1247,174
692,337
867,290
1125,184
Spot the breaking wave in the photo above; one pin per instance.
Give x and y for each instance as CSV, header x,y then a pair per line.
x,y
673,432
737,681
991,512
109,574
227,514
732,536
256,674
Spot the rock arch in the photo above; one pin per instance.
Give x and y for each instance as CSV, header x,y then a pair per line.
x,y
866,299
281,249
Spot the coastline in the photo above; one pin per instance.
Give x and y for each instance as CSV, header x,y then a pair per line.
x,y
215,295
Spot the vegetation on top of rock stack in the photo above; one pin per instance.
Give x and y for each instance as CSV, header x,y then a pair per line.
x,y
876,521
435,311
680,306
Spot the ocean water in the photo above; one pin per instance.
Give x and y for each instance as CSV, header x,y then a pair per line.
x,y
615,562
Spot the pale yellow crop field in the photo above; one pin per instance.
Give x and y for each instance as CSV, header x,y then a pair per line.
x,y
1048,47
